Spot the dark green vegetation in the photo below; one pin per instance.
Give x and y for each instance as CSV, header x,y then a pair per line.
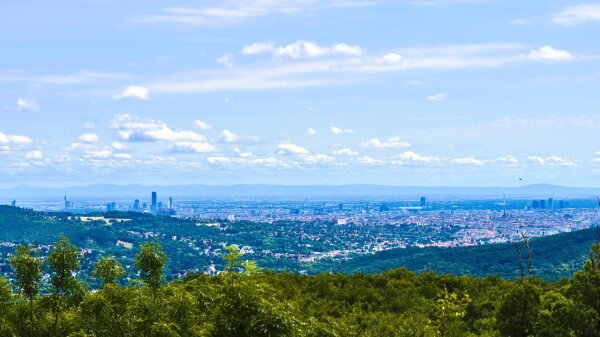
x,y
244,301
193,247
554,257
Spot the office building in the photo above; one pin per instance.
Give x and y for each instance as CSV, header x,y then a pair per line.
x,y
68,204
423,201
154,205
136,205
170,203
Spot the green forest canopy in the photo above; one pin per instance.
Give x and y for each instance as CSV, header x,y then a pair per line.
x,y
243,301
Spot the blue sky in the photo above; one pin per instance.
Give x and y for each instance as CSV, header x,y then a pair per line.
x,y
433,92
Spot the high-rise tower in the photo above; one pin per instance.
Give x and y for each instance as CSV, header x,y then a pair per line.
x,y
153,206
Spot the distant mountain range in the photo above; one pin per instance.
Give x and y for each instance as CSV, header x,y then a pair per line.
x,y
295,191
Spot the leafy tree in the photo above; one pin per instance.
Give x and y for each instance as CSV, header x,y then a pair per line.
x,y
248,307
151,261
64,262
517,314
109,270
561,316
6,298
233,257
451,310
27,268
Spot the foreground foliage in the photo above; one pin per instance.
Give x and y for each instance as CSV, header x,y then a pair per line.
x,y
243,301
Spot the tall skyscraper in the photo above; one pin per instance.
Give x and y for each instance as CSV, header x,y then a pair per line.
x,y
170,202
423,201
153,206
136,205
14,203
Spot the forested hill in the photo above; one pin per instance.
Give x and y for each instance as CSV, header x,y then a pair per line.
x,y
195,247
554,257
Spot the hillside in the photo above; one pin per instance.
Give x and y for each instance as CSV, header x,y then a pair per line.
x,y
554,257
195,247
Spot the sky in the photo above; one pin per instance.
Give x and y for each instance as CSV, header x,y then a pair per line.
x,y
392,92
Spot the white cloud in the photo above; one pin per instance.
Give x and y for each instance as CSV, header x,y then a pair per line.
x,y
339,131
578,14
14,139
189,147
202,125
79,146
551,54
317,158
344,152
311,131
36,154
467,161
551,161
247,161
393,142
438,97
118,146
506,160
219,160
80,77
232,11
258,48
321,72
226,60
134,129
414,83
392,58
369,160
27,105
288,148
412,157
89,138
228,137
105,153
134,92
302,49
122,155
243,154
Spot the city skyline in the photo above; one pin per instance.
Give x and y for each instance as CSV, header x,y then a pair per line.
x,y
300,92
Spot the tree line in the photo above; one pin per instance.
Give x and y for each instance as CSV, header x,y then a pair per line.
x,y
46,298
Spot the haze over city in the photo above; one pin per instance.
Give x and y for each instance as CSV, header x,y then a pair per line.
x,y
299,92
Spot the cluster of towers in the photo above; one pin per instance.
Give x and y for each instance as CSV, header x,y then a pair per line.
x,y
156,207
